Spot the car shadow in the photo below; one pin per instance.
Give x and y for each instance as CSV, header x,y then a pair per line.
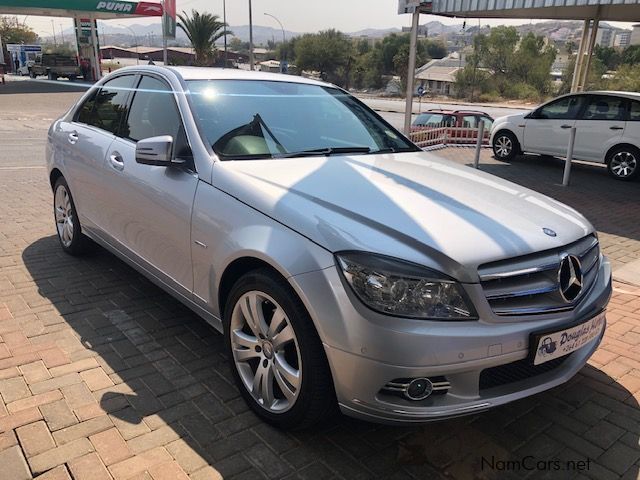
x,y
170,372
42,86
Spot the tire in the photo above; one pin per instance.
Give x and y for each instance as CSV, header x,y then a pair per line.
x,y
505,146
68,229
32,74
52,76
299,364
623,163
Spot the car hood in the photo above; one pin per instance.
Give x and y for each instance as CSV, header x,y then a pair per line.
x,y
511,118
410,205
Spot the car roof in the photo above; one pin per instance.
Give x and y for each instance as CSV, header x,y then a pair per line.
x,y
633,95
211,73
453,112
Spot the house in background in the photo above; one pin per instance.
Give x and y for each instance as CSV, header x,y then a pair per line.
x,y
438,76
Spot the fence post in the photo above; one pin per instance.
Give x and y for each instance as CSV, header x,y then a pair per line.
x,y
479,143
567,162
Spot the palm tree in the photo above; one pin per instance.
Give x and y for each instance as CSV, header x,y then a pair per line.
x,y
202,29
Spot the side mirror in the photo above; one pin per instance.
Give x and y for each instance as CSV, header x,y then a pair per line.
x,y
155,151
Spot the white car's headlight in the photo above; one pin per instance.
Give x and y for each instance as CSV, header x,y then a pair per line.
x,y
403,289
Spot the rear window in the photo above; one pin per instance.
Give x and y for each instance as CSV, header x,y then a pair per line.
x,y
434,119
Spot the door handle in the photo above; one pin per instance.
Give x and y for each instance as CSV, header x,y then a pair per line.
x,y
116,161
73,137
616,127
566,126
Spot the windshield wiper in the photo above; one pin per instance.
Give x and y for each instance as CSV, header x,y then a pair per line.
x,y
325,151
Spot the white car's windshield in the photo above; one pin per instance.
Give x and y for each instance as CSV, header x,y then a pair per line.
x,y
248,119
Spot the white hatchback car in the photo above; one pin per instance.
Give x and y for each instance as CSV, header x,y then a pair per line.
x,y
607,130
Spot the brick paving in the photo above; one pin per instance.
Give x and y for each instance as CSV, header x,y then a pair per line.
x,y
103,375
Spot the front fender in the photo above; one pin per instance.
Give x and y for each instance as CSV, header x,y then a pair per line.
x,y
225,229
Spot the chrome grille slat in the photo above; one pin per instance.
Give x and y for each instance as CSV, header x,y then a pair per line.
x,y
517,273
524,293
529,285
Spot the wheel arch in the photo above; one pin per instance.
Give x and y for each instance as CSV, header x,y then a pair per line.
x,y
607,156
235,270
505,129
54,176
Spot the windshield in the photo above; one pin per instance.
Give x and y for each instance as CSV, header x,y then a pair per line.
x,y
249,119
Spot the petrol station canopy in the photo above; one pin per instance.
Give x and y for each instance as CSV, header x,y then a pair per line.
x,y
95,9
605,10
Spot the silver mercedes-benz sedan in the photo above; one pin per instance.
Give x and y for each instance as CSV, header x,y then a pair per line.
x,y
343,265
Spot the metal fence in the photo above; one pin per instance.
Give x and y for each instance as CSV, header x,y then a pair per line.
x,y
444,135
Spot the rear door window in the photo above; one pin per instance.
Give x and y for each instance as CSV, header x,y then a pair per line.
x,y
602,107
435,120
108,107
634,113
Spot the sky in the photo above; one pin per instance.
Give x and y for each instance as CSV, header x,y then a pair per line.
x,y
295,15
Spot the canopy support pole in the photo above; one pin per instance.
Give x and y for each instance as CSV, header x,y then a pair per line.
x,y
577,71
592,43
411,72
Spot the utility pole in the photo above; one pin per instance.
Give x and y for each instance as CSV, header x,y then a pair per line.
x,y
251,59
53,27
61,34
224,19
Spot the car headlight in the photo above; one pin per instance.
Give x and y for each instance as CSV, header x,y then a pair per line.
x,y
403,289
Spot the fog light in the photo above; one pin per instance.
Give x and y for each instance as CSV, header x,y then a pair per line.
x,y
419,389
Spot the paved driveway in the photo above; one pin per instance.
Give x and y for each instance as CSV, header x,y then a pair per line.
x,y
102,375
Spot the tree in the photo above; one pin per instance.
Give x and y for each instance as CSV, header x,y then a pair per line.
x,y
609,56
13,32
202,29
434,48
627,78
631,55
237,45
531,63
327,52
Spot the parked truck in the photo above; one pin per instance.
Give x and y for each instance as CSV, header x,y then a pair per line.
x,y
54,66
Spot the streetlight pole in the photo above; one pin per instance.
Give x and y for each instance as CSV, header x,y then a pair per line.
x,y
251,59
224,19
165,54
284,42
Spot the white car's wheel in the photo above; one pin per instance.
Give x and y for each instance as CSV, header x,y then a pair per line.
x,y
505,146
624,163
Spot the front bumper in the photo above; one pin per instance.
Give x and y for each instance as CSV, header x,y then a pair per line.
x,y
366,351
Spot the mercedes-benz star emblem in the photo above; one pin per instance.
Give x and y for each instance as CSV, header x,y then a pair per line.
x,y
570,278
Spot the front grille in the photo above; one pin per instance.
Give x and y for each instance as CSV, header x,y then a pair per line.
x,y
529,285
516,371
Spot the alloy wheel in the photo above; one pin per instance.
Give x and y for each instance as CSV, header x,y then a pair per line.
x,y
64,215
623,164
503,146
266,352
